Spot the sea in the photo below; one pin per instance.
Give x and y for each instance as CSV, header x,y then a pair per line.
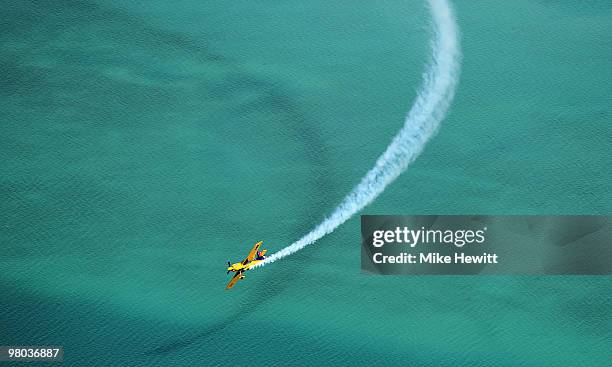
x,y
143,145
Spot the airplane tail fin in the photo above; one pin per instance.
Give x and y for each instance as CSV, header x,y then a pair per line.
x,y
261,254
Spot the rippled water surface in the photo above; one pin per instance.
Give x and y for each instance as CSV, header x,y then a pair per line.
x,y
145,145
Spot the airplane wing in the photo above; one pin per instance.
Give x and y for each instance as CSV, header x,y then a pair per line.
x,y
253,252
235,278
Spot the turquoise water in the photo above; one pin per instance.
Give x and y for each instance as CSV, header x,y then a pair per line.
x,y
143,146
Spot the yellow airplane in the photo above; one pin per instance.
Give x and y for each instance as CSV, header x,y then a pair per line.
x,y
254,257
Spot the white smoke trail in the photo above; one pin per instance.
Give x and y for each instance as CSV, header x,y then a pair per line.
x,y
430,107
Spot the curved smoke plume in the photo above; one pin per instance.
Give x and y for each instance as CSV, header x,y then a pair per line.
x,y
430,107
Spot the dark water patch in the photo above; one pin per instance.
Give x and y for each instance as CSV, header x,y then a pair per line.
x,y
590,313
74,75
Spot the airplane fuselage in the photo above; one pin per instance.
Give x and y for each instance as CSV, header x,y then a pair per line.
x,y
243,267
